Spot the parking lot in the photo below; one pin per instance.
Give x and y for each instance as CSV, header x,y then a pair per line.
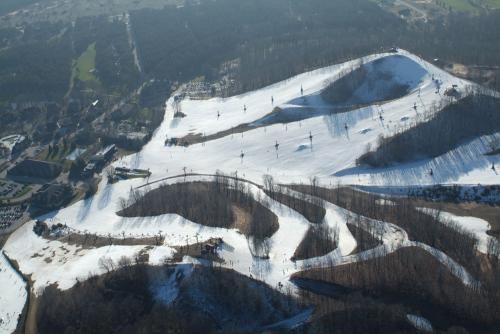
x,y
11,190
10,215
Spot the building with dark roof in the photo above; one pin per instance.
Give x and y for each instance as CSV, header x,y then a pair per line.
x,y
52,196
98,161
105,154
35,169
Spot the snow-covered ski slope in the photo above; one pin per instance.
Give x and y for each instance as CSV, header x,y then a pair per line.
x,y
334,147
337,140
13,296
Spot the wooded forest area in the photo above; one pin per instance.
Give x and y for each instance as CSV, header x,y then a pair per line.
x,y
271,44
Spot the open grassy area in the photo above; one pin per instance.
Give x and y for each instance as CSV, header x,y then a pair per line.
x,y
460,5
83,66
470,6
58,155
494,4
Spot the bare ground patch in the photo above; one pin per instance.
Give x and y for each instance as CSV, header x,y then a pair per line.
x,y
87,241
198,138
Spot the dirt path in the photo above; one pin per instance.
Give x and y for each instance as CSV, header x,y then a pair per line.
x,y
132,43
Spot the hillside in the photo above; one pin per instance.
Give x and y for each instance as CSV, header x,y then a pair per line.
x,y
466,119
380,80
352,230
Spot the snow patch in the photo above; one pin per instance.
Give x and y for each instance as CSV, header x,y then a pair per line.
x,y
166,292
383,201
75,154
303,147
419,323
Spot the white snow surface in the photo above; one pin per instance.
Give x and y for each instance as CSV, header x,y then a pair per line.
x,y
419,322
75,154
385,74
166,291
53,262
476,226
13,296
331,158
334,150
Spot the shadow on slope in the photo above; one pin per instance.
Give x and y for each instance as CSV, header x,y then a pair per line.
x,y
381,80
464,120
378,81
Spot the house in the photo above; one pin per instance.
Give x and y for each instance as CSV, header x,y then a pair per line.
x,y
452,92
98,161
105,154
89,170
210,249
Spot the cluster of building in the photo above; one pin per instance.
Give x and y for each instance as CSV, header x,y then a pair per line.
x,y
54,193
51,195
126,133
